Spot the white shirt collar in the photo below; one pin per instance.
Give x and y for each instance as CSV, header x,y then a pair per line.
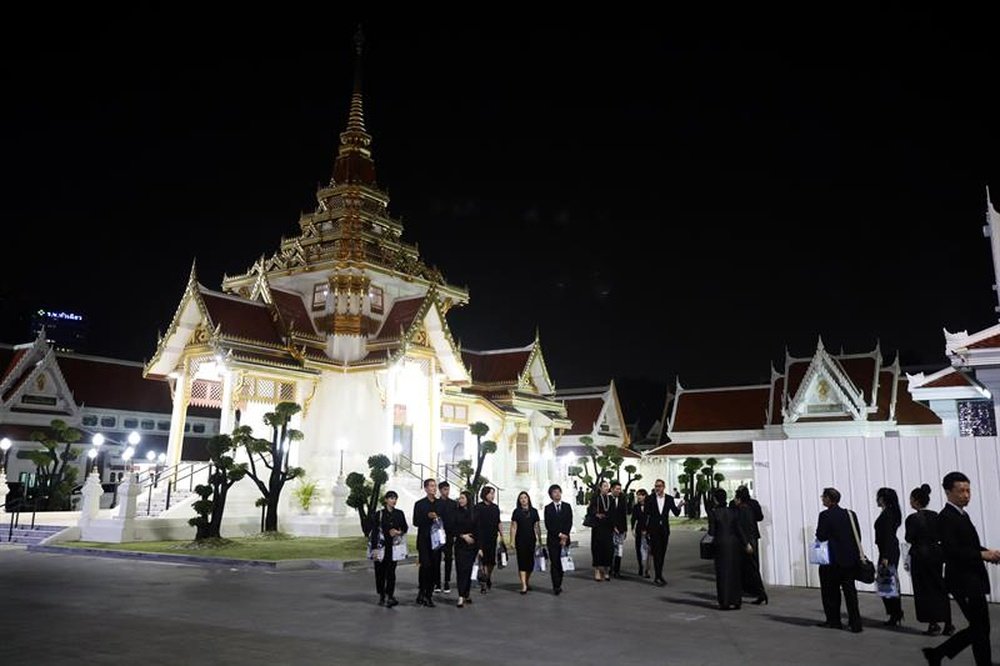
x,y
958,508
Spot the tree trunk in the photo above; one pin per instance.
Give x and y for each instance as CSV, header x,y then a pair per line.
x,y
218,508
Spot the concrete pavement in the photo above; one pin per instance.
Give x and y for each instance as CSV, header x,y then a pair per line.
x,y
82,610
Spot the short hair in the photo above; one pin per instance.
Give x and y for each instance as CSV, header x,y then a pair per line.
x,y
554,487
719,494
742,494
659,481
428,482
444,484
641,491
485,491
616,482
832,494
391,495
951,478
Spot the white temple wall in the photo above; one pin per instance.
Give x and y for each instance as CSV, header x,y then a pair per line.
x,y
791,475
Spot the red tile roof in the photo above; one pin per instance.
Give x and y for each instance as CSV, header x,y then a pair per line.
x,y
861,372
953,378
400,318
293,311
992,341
496,367
8,359
97,383
911,412
242,318
721,409
703,449
583,412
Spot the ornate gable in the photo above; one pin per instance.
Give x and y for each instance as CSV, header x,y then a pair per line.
x,y
825,392
37,384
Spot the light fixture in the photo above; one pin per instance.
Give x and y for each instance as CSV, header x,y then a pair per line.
x,y
150,456
162,458
5,444
97,440
128,453
92,454
133,438
397,448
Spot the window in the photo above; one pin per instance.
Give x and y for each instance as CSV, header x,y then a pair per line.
x,y
198,427
399,415
454,413
163,425
109,421
187,427
976,418
377,297
131,424
90,420
522,466
319,296
148,424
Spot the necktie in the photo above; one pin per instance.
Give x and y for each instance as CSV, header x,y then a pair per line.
x,y
557,508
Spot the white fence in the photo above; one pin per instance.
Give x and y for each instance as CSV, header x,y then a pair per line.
x,y
790,476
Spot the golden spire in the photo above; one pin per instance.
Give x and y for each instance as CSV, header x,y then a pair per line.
x,y
354,157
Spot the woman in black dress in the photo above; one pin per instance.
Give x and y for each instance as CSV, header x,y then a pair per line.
x,y
886,525
926,561
602,532
487,516
731,544
525,533
463,526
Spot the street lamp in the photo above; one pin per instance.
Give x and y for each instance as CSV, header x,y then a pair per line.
x,y
133,438
127,457
92,454
5,445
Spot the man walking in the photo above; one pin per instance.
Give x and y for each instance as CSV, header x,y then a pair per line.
x,y
964,574
659,505
425,512
558,524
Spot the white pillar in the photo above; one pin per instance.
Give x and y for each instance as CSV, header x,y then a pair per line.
x,y
128,494
3,488
175,444
227,418
92,492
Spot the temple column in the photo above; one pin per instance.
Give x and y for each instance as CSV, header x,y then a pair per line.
x,y
182,394
227,418
435,417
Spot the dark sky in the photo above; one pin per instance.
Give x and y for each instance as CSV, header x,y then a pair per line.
x,y
658,199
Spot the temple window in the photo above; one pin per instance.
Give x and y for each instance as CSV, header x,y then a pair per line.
x,y
90,420
130,423
163,425
319,296
109,421
976,418
199,427
147,424
521,453
377,296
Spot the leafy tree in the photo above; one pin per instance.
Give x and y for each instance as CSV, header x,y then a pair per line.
x,y
607,461
632,476
365,495
692,486
54,471
273,456
474,479
224,473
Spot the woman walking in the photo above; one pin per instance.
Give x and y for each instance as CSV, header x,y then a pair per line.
x,y
602,532
639,532
886,525
525,533
746,512
388,525
731,545
463,526
930,597
487,517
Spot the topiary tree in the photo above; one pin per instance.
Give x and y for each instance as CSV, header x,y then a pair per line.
x,y
692,486
607,461
273,455
366,495
224,472
53,469
474,479
632,476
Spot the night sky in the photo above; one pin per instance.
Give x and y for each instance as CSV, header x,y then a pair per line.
x,y
658,199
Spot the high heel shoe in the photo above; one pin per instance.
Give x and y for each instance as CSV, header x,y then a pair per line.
x,y
948,630
933,629
894,620
760,600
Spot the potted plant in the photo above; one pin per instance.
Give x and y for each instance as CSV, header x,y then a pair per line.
x,y
304,493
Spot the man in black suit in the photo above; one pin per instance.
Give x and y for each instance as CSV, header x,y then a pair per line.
x,y
558,524
835,527
448,507
658,508
619,518
964,574
425,512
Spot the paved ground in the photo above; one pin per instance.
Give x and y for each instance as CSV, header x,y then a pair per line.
x,y
81,610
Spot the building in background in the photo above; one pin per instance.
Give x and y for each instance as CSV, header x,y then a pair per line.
x,y
66,331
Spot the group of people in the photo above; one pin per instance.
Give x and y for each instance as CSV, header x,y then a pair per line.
x,y
946,557
734,539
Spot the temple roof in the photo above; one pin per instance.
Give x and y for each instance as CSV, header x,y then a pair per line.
x,y
702,449
497,366
739,408
399,318
583,412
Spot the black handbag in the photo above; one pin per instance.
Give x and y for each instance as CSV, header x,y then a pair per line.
x,y
865,571
707,547
589,520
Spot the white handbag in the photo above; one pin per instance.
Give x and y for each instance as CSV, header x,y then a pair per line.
x,y
541,559
567,560
820,552
475,571
399,548
438,535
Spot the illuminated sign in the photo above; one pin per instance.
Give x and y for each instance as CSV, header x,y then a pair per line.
x,y
60,315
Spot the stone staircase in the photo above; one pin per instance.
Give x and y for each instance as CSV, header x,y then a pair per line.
x,y
159,502
28,536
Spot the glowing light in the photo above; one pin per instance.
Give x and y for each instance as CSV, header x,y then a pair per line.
x,y
162,458
5,444
397,448
97,440
92,454
128,453
150,456
133,438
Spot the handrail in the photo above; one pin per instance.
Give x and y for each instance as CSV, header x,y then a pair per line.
x,y
450,475
19,504
150,480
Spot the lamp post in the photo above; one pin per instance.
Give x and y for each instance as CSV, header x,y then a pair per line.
x,y
127,457
92,455
340,491
5,445
97,441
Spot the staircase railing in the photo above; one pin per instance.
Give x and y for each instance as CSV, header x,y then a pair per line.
x,y
16,505
451,475
174,477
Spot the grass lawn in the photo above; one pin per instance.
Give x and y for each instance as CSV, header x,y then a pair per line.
x,y
253,548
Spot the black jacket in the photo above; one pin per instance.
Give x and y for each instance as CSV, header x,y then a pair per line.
x,y
886,539
834,525
556,523
657,523
385,521
638,518
447,511
422,521
964,568
619,512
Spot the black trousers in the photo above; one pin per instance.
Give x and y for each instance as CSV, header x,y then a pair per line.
x,y
464,559
753,584
616,561
429,560
658,542
638,553
832,581
555,563
447,553
977,634
385,577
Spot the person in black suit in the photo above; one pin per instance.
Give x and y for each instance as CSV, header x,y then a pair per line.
x,y
964,574
639,531
930,596
448,507
463,525
886,526
390,523
558,525
659,505
835,527
747,511
619,517
425,512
